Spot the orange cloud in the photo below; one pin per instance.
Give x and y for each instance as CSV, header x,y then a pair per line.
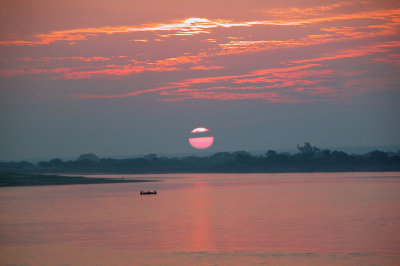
x,y
72,58
190,26
200,67
390,59
301,12
281,80
194,26
298,83
140,40
374,24
87,72
66,35
173,61
333,34
112,70
356,52
300,77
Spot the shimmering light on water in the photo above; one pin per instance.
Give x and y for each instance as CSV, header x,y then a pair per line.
x,y
322,218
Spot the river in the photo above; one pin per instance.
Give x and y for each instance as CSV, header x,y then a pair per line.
x,y
222,219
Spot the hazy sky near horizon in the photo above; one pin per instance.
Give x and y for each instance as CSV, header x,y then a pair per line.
x,y
135,77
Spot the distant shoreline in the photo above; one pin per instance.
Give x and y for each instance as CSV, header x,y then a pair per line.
x,y
308,159
23,179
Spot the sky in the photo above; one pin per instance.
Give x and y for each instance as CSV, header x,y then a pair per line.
x,y
127,77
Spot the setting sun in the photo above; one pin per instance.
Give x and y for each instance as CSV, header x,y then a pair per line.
x,y
199,141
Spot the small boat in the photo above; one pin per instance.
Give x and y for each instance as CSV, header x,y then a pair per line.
x,y
148,192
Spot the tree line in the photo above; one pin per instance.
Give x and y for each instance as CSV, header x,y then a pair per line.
x,y
308,158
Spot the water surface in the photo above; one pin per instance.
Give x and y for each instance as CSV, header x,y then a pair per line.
x,y
319,218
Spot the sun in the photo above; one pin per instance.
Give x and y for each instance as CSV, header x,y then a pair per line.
x,y
200,138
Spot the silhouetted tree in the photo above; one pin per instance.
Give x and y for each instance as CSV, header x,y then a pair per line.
x,y
308,159
378,156
56,163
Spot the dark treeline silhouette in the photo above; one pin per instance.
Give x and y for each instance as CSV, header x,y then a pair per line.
x,y
307,159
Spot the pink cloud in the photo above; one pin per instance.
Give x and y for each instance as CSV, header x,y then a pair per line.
x,y
194,26
71,58
285,82
355,52
202,67
314,36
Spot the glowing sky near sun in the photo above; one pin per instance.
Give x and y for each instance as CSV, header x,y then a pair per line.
x,y
288,52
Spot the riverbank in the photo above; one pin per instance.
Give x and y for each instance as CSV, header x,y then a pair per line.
x,y
22,179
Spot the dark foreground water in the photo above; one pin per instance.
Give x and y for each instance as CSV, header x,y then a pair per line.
x,y
222,219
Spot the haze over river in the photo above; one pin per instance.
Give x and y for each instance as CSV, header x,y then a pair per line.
x,y
298,219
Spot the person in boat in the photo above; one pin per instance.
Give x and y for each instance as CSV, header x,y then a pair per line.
x,y
147,192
